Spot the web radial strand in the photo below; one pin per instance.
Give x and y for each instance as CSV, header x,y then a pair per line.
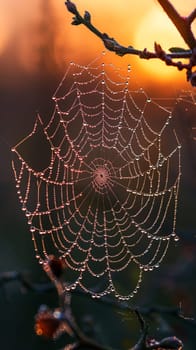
x,y
105,197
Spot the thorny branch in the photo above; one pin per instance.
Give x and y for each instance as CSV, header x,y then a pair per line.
x,y
183,25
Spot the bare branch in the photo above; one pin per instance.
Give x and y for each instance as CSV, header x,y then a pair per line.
x,y
45,287
181,23
175,312
142,342
191,17
112,45
49,322
22,278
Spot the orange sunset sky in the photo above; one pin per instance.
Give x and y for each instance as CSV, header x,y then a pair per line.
x,y
29,28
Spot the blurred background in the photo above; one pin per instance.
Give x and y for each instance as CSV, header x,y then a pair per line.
x,y
37,41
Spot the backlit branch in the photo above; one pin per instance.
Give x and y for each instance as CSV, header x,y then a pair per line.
x,y
183,25
191,17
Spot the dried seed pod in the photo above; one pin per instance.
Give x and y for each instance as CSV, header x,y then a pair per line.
x,y
46,324
51,324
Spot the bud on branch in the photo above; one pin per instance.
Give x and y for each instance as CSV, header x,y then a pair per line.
x,y
183,25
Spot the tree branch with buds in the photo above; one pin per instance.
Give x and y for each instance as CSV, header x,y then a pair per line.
x,y
183,25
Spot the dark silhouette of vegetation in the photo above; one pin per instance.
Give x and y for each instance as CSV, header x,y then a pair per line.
x,y
52,323
183,25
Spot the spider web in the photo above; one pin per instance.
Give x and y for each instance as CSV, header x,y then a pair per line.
x,y
188,101
106,202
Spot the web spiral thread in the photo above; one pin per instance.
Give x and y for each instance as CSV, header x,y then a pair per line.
x,y
107,200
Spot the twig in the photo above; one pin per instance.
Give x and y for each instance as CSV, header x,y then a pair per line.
x,y
21,277
183,25
112,45
191,17
66,316
141,344
82,339
145,311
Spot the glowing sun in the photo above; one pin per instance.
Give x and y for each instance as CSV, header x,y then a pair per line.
x,y
156,26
